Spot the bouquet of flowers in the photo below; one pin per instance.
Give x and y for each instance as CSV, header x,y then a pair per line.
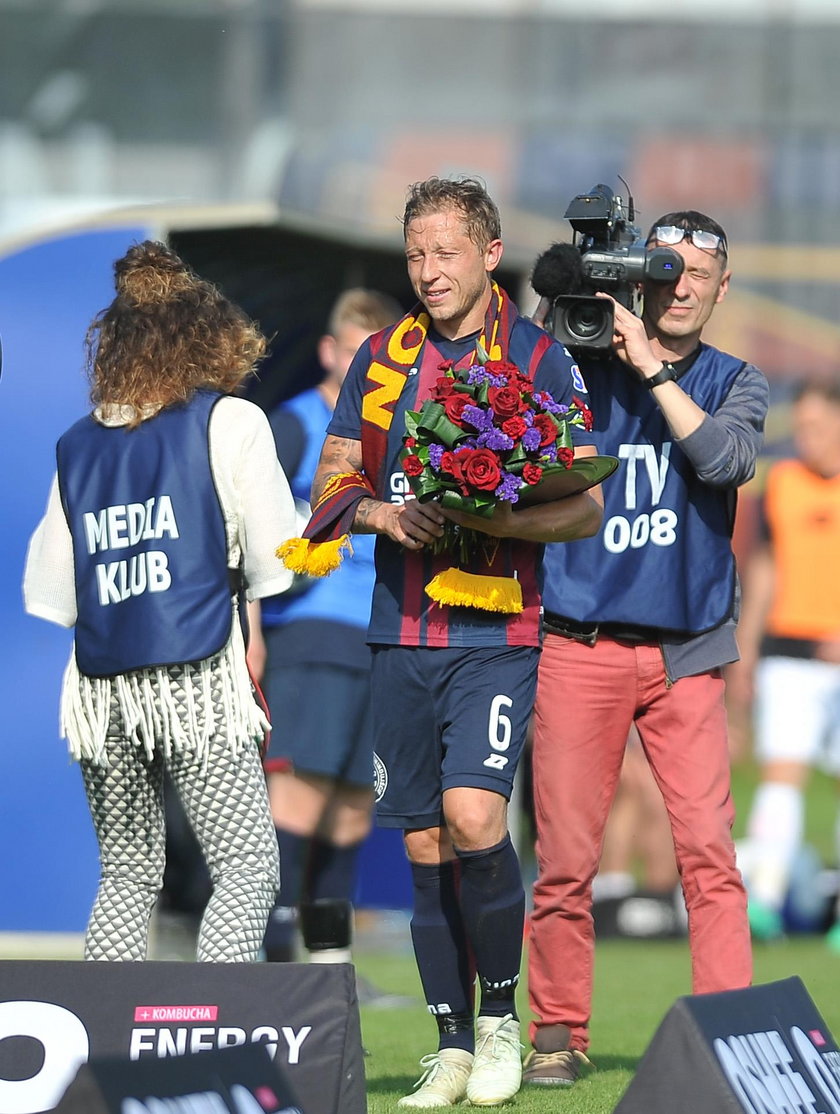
x,y
487,435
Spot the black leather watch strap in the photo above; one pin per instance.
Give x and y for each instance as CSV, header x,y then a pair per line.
x,y
666,372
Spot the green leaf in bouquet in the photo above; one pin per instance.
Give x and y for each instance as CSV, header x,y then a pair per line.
x,y
412,417
477,505
426,486
482,392
557,481
564,437
562,423
516,458
420,451
434,425
553,468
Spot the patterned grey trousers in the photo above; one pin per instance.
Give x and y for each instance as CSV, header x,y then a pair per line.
x,y
226,803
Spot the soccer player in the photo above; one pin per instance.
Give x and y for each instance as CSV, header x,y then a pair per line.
x,y
452,686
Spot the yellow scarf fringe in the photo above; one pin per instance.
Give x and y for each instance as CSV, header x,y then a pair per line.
x,y
314,558
465,589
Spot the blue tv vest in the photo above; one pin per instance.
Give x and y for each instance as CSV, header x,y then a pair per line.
x,y
344,595
663,557
149,544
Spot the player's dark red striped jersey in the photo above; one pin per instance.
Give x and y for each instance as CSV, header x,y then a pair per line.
x,y
402,614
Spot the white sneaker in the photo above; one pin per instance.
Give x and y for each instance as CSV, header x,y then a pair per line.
x,y
444,1082
497,1070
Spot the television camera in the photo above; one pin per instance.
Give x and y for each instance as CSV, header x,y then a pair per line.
x,y
607,254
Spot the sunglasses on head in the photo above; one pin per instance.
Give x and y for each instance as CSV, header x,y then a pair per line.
x,y
671,234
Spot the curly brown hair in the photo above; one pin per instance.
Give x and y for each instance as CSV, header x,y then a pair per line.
x,y
166,333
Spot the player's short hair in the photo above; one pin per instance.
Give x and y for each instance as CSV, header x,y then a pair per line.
x,y
468,196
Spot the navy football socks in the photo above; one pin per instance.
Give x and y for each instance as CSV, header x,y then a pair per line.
x,y
281,930
442,952
331,872
493,906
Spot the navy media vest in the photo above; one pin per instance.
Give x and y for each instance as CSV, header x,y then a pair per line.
x,y
149,543
663,556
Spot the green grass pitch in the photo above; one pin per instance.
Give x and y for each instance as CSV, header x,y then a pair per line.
x,y
636,982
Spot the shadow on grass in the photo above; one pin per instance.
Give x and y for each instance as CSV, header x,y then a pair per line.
x,y
385,1084
613,1063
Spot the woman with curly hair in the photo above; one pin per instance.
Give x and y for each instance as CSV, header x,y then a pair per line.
x,y
167,505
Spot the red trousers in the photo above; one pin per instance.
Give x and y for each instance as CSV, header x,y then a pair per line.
x,y
587,699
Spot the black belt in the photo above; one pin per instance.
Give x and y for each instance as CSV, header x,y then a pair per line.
x,y
589,633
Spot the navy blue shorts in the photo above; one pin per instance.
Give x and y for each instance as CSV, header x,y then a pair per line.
x,y
320,721
447,718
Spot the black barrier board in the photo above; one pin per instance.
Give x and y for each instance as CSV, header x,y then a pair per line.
x,y
762,1050
239,1080
56,1015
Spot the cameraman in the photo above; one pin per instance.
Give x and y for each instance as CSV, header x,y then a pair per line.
x,y
639,621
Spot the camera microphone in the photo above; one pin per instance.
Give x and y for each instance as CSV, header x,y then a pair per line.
x,y
557,271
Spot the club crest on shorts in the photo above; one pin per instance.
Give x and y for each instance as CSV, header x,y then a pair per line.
x,y
380,777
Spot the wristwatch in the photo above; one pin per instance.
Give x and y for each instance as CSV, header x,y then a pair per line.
x,y
666,372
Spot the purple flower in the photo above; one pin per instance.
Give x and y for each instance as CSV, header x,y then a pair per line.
x,y
546,401
531,440
508,489
496,440
477,417
476,375
436,451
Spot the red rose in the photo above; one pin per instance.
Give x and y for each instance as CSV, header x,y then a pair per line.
x,y
412,465
446,365
481,470
443,388
454,406
514,427
447,462
410,442
532,473
523,383
456,470
565,456
587,413
505,401
501,367
547,428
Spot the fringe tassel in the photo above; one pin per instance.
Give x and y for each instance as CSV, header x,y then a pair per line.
x,y
175,710
314,558
465,589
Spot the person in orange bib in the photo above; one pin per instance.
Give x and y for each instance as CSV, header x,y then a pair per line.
x,y
789,634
